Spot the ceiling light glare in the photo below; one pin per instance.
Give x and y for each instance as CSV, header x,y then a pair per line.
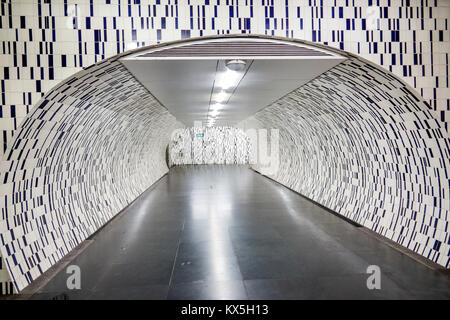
x,y
214,113
221,96
228,79
216,106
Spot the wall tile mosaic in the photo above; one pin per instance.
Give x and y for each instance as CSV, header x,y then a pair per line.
x,y
42,42
93,144
361,143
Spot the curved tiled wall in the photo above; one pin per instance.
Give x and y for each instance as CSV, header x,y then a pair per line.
x,y
361,143
90,147
355,139
44,42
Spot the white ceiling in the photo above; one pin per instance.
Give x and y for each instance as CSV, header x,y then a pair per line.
x,y
184,85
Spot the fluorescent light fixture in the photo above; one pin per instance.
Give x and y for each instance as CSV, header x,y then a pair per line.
x,y
236,64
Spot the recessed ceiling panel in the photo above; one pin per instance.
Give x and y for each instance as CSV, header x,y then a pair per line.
x,y
186,78
238,48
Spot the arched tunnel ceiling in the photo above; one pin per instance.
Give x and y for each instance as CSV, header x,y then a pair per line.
x,y
183,77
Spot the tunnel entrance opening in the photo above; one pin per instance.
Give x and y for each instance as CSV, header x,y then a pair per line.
x,y
220,81
352,137
209,145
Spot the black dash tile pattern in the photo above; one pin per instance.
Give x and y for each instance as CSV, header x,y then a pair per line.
x,y
357,141
90,147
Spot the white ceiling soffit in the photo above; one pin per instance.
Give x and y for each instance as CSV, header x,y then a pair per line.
x,y
186,77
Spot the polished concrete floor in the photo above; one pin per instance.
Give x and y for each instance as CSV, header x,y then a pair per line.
x,y
225,232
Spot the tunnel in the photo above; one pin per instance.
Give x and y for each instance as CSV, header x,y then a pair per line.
x,y
354,156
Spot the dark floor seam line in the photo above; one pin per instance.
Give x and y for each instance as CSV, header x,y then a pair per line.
x,y
48,275
175,261
36,286
356,224
386,241
123,211
239,267
408,252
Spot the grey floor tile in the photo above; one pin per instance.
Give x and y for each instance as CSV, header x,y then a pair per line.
x,y
135,274
280,289
152,292
206,269
354,287
225,232
207,290
205,249
63,295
